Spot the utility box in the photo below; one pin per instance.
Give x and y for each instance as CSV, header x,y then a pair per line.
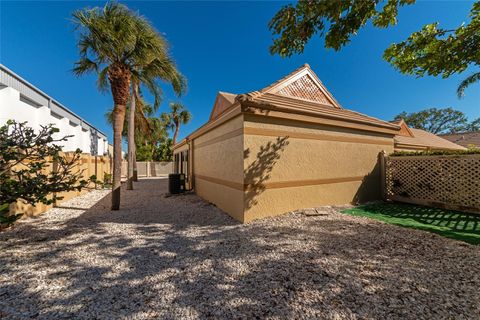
x,y
176,183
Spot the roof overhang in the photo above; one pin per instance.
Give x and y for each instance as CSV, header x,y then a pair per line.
x,y
313,116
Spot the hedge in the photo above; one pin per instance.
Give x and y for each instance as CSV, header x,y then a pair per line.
x,y
436,152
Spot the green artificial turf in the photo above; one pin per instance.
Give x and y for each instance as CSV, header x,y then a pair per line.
x,y
451,224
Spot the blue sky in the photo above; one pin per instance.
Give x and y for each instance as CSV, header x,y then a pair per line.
x,y
223,46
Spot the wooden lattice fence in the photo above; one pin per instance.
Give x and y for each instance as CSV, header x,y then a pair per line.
x,y
450,182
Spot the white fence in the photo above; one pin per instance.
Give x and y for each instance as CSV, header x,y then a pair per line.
x,y
150,168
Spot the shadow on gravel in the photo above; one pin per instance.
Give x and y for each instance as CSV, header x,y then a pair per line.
x,y
181,257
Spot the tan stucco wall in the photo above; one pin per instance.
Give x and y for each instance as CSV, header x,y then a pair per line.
x,y
253,167
218,166
228,199
300,168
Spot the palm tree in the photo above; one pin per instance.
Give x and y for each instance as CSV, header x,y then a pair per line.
x,y
112,41
159,66
155,64
177,116
466,83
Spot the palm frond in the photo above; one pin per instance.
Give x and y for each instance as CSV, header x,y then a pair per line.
x,y
466,83
83,66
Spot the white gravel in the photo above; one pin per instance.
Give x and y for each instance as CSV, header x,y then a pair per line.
x,y
180,258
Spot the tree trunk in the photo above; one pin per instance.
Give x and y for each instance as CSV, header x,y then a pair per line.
x,y
135,172
131,139
118,118
119,77
175,134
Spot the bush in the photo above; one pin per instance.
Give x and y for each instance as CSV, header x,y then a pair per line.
x,y
25,161
436,152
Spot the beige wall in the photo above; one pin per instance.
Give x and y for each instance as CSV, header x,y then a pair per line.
x,y
87,164
218,166
254,166
150,168
293,165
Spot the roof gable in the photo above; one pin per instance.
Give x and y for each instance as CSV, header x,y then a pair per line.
x,y
303,84
404,129
222,102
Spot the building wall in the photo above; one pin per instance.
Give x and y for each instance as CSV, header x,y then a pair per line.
x,y
13,107
254,167
218,166
23,102
291,165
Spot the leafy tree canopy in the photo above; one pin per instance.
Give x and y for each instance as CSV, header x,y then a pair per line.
x,y
438,121
430,51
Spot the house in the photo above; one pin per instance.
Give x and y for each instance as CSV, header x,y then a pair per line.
x,y
465,139
288,146
23,102
411,139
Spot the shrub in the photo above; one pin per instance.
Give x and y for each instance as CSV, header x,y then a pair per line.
x,y
26,157
436,152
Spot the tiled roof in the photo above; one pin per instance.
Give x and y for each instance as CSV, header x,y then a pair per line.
x,y
313,108
465,139
286,94
222,102
423,138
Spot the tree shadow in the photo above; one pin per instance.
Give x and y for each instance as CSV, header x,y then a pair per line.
x,y
370,187
181,257
258,172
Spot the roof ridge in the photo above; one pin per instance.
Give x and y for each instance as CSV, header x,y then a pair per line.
x,y
305,65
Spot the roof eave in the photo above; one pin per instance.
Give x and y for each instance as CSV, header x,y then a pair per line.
x,y
248,104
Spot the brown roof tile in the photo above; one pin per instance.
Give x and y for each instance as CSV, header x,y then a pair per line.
x,y
423,138
465,139
292,104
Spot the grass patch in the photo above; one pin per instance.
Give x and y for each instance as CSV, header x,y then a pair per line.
x,y
451,224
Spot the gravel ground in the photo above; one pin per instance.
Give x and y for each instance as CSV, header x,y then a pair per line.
x,y
182,258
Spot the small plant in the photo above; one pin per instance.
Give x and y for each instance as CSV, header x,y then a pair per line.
x,y
107,179
32,168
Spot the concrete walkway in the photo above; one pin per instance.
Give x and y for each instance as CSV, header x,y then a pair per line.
x,y
180,257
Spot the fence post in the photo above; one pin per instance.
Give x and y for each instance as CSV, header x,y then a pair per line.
x,y
382,158
147,167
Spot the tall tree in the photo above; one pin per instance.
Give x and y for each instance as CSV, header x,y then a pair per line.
x,y
112,40
156,64
437,121
150,132
473,126
148,71
430,51
177,116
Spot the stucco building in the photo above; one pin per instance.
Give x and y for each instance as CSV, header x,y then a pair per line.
x,y
23,102
288,146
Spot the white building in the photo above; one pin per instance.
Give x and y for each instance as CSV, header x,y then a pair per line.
x,y
21,101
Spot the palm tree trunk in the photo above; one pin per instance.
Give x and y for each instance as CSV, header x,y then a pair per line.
x,y
175,134
135,172
118,118
131,139
119,77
